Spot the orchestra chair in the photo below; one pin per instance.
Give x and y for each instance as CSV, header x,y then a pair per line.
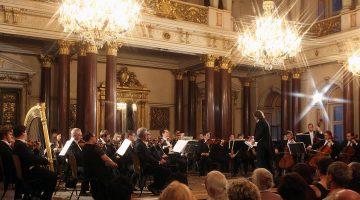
x,y
5,182
26,188
74,175
143,178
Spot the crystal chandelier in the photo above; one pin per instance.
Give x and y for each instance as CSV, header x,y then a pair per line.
x,y
99,21
270,41
353,64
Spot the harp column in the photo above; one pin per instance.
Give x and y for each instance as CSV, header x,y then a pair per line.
x,y
90,80
45,96
81,65
209,90
64,88
110,88
246,106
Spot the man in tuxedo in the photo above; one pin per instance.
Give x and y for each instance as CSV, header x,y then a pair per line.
x,y
108,147
76,150
350,141
264,150
204,153
6,152
233,153
315,137
31,165
150,164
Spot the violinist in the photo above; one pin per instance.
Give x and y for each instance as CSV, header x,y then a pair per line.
x,y
204,153
165,141
350,149
107,146
315,136
233,153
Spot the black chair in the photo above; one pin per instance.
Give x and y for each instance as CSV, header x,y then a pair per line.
x,y
74,175
143,177
26,186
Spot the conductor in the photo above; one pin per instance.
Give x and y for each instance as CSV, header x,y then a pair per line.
x,y
264,150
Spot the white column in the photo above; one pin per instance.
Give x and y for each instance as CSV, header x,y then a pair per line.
x,y
346,5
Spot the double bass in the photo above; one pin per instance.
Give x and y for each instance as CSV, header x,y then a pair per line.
x,y
347,153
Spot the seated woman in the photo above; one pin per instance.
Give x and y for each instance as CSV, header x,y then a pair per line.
x,y
263,179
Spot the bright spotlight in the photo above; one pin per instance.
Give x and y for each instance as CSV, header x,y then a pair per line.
x,y
318,97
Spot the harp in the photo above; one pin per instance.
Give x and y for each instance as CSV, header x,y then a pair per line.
x,y
38,113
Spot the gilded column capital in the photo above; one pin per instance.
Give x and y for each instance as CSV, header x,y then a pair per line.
x,y
82,49
192,76
296,75
46,60
90,48
225,63
210,61
64,47
112,49
178,75
285,77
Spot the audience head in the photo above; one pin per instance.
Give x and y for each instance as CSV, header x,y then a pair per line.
x,y
292,187
344,194
89,138
20,132
6,134
76,134
243,189
310,127
259,115
305,171
339,175
322,166
263,179
105,135
176,191
120,188
141,133
355,168
216,185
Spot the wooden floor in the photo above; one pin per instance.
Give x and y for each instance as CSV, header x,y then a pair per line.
x,y
196,184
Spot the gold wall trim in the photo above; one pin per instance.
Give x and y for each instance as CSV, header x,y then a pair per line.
x,y
326,27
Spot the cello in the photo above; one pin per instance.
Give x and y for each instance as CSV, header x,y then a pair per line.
x,y
287,161
347,152
324,151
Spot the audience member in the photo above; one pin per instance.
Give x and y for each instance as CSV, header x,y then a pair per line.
x,y
293,187
216,185
321,170
344,194
355,182
120,188
264,180
176,191
243,189
31,165
339,176
305,171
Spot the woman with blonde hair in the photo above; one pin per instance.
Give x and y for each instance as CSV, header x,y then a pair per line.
x,y
176,191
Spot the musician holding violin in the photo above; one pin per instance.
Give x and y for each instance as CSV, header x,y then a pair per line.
x,y
350,149
204,153
233,153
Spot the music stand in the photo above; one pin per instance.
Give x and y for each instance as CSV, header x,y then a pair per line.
x,y
305,138
297,148
124,146
66,147
180,146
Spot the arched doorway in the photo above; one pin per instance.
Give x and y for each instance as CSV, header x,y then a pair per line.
x,y
272,106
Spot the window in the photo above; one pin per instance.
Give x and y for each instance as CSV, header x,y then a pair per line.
x,y
336,7
328,8
337,122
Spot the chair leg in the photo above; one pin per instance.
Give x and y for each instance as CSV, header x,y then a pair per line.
x,y
72,192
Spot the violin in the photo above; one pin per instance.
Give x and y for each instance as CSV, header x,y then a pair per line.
x,y
324,151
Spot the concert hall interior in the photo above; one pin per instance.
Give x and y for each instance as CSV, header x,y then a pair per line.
x,y
180,99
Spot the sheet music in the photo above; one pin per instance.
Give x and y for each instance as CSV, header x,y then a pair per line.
x,y
66,147
180,146
124,146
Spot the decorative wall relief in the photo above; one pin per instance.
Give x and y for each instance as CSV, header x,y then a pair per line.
x,y
9,106
159,118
